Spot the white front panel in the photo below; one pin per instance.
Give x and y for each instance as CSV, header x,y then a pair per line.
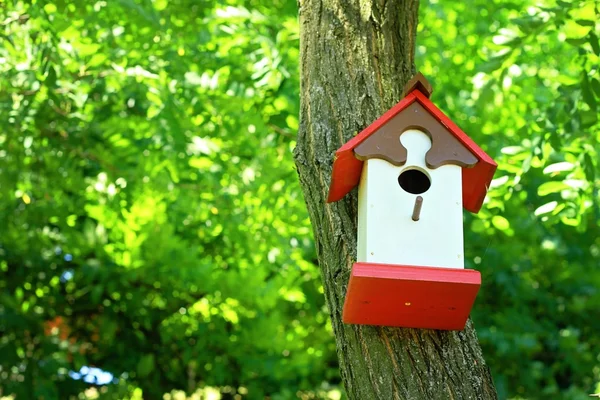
x,y
386,232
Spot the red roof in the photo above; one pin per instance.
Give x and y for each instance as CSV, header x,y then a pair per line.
x,y
475,180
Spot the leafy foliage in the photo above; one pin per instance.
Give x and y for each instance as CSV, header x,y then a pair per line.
x,y
519,77
152,223
145,165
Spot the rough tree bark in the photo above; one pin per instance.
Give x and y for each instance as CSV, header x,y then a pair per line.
x,y
356,55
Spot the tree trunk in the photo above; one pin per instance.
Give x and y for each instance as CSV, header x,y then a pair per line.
x,y
356,55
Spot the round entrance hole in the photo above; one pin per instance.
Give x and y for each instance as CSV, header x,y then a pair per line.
x,y
414,181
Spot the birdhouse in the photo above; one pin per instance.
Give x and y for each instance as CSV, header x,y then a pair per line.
x,y
415,170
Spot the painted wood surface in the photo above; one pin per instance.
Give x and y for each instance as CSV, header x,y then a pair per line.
x,y
386,230
347,168
445,148
409,296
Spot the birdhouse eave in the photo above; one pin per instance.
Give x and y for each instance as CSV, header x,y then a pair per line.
x,y
347,167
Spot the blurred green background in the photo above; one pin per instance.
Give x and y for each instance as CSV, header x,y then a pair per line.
x,y
153,236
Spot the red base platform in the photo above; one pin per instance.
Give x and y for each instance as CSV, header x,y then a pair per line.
x,y
410,297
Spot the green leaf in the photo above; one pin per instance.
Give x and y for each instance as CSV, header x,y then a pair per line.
x,y
571,221
512,150
97,59
546,208
500,223
528,23
595,83
574,30
551,187
594,42
145,365
585,22
201,163
51,77
494,63
576,42
559,167
478,226
160,5
50,8
588,118
96,293
586,91
293,295
589,167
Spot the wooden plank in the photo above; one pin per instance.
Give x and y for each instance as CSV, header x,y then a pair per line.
x,y
410,297
347,169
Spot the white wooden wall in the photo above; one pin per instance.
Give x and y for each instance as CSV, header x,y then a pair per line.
x,y
386,232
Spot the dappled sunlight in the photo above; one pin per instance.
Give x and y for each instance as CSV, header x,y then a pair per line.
x,y
154,236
